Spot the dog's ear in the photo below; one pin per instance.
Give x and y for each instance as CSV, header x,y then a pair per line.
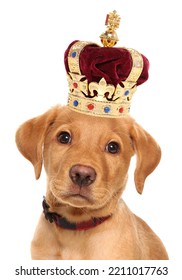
x,y
30,138
148,155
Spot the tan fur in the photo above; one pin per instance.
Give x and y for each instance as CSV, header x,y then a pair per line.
x,y
124,235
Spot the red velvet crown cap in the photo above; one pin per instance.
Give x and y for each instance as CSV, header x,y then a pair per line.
x,y
113,64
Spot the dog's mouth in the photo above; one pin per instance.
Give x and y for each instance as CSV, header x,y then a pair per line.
x,y
78,200
74,196
81,195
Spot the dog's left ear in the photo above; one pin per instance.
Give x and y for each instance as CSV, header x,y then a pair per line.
x,y
148,155
30,138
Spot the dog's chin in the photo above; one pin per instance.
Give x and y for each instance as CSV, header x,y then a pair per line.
x,y
77,201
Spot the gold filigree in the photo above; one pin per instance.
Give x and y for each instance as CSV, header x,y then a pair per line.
x,y
74,54
101,89
76,85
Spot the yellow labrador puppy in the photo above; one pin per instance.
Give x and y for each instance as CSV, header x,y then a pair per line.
x,y
86,160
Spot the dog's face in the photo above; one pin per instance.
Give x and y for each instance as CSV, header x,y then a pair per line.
x,y
86,158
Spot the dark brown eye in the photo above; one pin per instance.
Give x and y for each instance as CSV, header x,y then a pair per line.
x,y
113,147
64,137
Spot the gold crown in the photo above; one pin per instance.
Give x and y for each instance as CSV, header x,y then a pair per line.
x,y
102,99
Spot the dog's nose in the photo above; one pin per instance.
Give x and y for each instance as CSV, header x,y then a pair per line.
x,y
82,175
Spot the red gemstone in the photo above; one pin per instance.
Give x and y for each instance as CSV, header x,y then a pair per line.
x,y
90,106
121,110
106,22
75,85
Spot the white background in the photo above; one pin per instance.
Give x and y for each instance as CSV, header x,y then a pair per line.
x,y
33,38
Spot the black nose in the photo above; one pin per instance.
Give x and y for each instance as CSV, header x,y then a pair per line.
x,y
82,175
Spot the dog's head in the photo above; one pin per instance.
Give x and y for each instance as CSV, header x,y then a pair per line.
x,y
87,158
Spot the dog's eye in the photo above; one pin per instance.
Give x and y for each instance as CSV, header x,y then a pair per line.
x,y
113,147
64,137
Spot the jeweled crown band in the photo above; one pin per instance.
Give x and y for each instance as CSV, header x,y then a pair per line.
x,y
74,54
136,69
102,108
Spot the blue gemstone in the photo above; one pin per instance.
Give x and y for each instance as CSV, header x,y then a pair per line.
x,y
126,92
73,54
75,103
107,109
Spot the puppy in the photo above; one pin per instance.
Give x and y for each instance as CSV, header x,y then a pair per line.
x,y
86,160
